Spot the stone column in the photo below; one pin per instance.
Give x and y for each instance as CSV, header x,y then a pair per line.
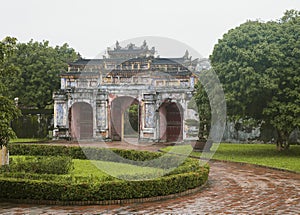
x,y
102,116
60,115
148,132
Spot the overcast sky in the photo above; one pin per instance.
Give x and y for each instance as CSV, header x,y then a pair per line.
x,y
90,26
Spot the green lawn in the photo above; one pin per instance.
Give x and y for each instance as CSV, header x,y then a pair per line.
x,y
98,168
262,154
86,170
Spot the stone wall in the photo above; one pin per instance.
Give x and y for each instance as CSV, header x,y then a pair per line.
x,y
245,134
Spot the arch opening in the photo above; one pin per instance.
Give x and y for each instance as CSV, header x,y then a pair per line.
x,y
81,121
170,122
125,119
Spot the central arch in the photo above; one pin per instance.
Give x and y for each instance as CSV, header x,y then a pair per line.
x,y
171,122
121,126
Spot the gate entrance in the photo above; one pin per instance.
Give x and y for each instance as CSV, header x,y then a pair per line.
x,y
132,93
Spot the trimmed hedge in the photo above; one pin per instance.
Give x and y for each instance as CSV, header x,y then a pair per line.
x,y
56,178
40,190
76,152
36,187
41,164
145,158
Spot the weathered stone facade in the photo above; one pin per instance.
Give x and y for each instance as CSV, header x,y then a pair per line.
x,y
95,93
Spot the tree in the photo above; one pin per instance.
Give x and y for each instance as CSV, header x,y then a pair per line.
x,y
259,68
133,112
210,102
39,66
204,110
8,110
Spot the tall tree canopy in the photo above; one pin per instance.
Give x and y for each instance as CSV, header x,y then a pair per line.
x,y
8,110
258,64
38,66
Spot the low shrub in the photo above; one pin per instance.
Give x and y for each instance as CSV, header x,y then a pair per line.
x,y
81,152
12,188
45,150
34,186
57,178
144,158
41,164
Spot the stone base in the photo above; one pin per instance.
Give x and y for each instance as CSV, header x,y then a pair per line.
x,y
202,145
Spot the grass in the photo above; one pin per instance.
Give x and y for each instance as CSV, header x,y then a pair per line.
x,y
103,168
261,154
86,170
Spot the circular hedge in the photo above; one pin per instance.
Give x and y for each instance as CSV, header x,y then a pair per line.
x,y
187,175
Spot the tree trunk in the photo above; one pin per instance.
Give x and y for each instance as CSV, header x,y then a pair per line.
x,y
4,156
282,142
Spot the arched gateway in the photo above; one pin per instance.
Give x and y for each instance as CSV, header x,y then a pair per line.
x,y
96,94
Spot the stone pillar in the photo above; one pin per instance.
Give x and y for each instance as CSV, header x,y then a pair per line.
x,y
60,115
102,116
148,118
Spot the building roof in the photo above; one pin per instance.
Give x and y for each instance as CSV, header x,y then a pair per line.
x,y
168,61
155,61
83,62
131,54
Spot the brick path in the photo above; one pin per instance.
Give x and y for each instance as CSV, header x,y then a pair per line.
x,y
232,189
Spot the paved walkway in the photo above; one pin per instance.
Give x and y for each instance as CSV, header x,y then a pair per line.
x,y
232,189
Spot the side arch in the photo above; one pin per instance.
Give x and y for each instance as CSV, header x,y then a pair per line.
x,y
81,121
171,122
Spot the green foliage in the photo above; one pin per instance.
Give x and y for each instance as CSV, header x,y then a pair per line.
x,y
59,191
78,152
204,109
8,111
259,68
133,116
41,164
39,66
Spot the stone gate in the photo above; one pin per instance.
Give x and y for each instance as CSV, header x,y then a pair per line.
x,y
95,96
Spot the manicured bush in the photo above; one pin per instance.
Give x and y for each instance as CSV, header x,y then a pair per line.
x,y
79,152
151,159
57,178
118,189
41,164
34,186
45,150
